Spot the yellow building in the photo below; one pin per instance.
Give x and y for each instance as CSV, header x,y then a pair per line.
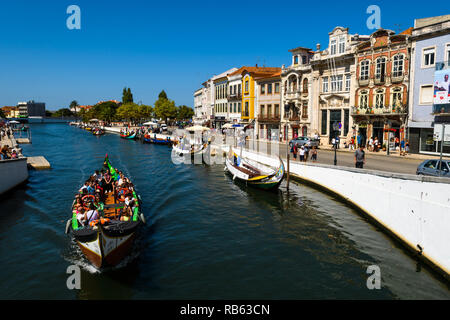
x,y
249,89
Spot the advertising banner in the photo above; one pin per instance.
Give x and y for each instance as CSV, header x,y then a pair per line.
x,y
442,87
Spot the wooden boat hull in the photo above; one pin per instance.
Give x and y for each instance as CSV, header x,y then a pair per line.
x,y
103,250
262,181
157,141
183,152
129,137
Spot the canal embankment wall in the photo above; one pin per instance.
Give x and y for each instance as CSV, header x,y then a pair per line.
x,y
415,209
13,173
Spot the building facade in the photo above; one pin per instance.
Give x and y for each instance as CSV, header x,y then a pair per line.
x,y
268,106
334,75
297,114
234,95
430,55
248,84
380,109
31,109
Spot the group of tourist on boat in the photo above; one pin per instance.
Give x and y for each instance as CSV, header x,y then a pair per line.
x,y
90,202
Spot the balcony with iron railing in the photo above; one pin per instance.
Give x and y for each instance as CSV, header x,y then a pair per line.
x,y
269,118
363,81
234,96
385,110
397,77
379,79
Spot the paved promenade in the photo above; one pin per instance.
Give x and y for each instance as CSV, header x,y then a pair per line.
x,y
345,157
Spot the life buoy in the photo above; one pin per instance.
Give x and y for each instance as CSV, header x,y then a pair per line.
x,y
102,221
88,196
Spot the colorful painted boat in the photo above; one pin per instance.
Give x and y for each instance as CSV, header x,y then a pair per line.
x,y
149,139
98,132
108,240
130,136
254,173
189,149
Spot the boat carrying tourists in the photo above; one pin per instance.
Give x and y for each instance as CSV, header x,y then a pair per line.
x,y
105,217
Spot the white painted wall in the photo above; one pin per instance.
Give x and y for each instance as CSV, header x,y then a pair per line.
x,y
13,173
416,209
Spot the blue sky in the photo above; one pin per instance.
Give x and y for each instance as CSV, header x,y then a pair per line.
x,y
170,45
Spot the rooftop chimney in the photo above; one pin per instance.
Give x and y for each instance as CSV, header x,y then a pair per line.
x,y
318,47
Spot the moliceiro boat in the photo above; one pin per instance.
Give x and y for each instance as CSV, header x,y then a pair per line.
x,y
98,132
149,139
129,136
189,149
105,217
254,173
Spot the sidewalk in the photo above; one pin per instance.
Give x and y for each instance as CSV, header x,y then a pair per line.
x,y
412,156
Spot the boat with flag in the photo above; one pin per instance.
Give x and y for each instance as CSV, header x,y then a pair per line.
x,y
254,173
104,219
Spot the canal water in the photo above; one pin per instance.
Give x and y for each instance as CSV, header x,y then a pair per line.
x,y
206,237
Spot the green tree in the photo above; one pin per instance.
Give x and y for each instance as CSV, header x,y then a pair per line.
x,y
162,95
2,114
64,112
184,113
105,111
127,96
145,112
129,112
165,109
74,104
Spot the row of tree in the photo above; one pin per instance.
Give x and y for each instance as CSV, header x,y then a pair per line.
x,y
164,108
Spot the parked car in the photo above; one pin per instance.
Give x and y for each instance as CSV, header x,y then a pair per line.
x,y
164,127
431,168
302,141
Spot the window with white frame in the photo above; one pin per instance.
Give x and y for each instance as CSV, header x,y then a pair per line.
x,y
426,94
397,97
380,69
347,82
379,98
428,57
397,66
339,82
364,70
325,84
333,47
364,99
333,83
341,44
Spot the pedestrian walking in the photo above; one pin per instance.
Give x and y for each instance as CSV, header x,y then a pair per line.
x,y
302,154
314,154
360,157
306,153
371,144
294,150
